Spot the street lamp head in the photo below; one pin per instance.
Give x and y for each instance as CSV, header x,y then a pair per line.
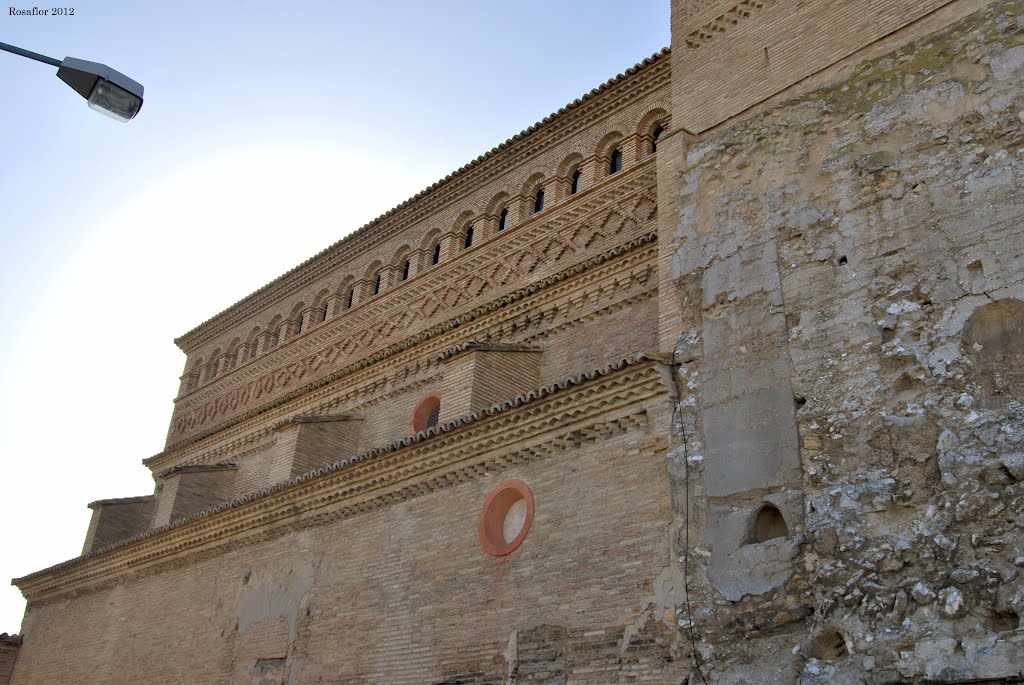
x,y
108,92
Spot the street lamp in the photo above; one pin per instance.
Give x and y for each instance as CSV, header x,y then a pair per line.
x,y
108,92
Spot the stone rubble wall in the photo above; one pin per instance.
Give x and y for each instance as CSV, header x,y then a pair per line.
x,y
849,268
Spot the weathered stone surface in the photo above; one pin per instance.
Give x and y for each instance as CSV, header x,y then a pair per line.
x,y
881,219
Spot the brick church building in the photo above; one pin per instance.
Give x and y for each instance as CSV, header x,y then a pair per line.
x,y
715,375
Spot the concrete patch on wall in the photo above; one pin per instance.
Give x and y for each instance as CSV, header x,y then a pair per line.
x,y
752,442
268,616
741,565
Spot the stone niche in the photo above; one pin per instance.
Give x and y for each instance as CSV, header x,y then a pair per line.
x,y
305,443
114,520
187,490
993,340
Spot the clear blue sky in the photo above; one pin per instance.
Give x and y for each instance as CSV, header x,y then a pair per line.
x,y
269,131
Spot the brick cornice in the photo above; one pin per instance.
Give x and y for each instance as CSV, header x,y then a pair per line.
x,y
584,112
609,401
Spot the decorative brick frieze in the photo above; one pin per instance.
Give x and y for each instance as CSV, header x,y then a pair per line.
x,y
544,139
691,9
582,293
723,22
618,398
481,276
407,307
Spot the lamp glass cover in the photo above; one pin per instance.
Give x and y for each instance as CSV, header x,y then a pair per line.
x,y
117,103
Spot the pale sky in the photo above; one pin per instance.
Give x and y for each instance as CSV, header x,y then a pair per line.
x,y
269,131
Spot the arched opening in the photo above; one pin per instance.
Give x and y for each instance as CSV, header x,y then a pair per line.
x,y
993,342
296,320
195,375
376,283
231,356
351,298
212,367
273,332
426,414
575,182
467,237
503,219
252,342
615,161
768,524
538,201
829,645
405,270
436,258
656,135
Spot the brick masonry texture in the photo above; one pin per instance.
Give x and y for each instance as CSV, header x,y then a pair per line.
x,y
9,646
764,384
388,579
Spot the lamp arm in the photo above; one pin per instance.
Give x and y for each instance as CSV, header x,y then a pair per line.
x,y
31,55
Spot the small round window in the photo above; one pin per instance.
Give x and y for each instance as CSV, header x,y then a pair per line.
x,y
506,518
426,414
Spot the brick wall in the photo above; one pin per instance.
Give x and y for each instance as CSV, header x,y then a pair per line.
x,y
744,52
373,598
838,278
9,646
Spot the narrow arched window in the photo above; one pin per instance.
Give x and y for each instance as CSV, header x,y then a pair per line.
x,y
468,235
574,186
538,201
615,162
503,219
436,259
655,137
351,298
298,325
376,285
323,313
405,270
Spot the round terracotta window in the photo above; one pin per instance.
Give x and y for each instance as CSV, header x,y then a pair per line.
x,y
506,517
426,414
